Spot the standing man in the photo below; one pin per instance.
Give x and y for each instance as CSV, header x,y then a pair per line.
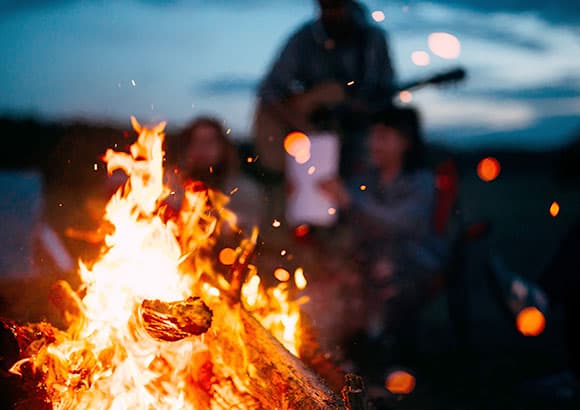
x,y
340,57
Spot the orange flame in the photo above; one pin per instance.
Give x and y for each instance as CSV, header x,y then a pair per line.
x,y
106,359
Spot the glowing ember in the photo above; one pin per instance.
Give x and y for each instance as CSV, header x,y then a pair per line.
x,y
554,209
151,265
282,274
299,278
400,382
488,169
301,231
530,321
227,256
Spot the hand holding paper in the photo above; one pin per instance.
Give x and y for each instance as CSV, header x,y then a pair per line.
x,y
308,203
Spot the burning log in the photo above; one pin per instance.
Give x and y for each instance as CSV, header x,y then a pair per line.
x,y
255,361
20,386
172,321
268,371
353,393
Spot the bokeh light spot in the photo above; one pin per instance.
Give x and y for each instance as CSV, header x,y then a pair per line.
x,y
554,209
282,274
301,231
302,157
420,58
227,256
488,169
378,16
530,321
400,382
300,279
444,45
297,145
405,96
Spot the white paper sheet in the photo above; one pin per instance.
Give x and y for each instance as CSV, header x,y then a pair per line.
x,y
306,203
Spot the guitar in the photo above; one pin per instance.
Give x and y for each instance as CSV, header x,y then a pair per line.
x,y
269,129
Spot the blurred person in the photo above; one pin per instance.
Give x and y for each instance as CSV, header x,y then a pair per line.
x,y
558,285
33,255
30,245
391,211
339,58
208,156
21,209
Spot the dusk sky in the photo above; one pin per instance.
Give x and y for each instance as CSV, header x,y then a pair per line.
x,y
105,61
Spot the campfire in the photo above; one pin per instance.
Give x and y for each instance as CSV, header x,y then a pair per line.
x,y
155,326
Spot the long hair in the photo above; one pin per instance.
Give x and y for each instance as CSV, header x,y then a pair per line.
x,y
228,163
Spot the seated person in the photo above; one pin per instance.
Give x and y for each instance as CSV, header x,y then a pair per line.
x,y
558,285
391,211
208,156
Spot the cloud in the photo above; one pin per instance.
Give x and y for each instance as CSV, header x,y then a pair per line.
x,y
567,88
442,111
539,136
227,85
501,51
480,121
558,11
10,6
523,69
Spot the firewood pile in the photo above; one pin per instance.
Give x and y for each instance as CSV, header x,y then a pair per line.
x,y
278,379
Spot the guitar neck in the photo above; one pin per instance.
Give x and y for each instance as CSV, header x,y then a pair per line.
x,y
449,76
413,85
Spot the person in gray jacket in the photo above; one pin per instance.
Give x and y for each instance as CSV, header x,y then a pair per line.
x,y
391,211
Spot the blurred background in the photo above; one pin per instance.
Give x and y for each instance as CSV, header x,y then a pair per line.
x,y
103,61
73,72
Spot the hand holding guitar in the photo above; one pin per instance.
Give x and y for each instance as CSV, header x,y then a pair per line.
x,y
274,121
